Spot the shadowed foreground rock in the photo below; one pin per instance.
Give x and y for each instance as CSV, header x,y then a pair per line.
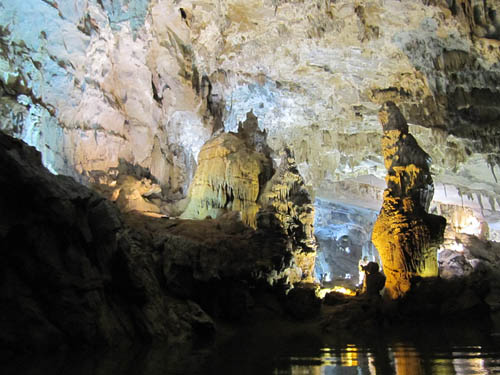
x,y
71,272
405,235
74,271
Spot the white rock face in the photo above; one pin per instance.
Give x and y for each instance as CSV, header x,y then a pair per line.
x,y
89,82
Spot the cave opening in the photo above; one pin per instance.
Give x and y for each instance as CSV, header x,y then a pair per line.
x,y
344,234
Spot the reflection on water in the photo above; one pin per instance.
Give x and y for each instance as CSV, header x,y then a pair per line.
x,y
399,359
288,348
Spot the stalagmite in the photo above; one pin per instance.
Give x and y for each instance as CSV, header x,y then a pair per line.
x,y
232,170
286,196
405,235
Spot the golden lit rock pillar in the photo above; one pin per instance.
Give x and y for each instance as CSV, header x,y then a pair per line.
x,y
405,235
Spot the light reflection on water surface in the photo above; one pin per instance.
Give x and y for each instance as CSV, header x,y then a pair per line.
x,y
471,348
400,359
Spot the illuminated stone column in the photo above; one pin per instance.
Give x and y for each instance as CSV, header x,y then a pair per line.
x,y
405,235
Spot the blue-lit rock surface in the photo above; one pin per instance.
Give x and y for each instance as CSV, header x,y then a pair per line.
x,y
344,237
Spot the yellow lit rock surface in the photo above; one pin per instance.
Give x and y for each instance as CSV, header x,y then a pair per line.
x,y
227,179
130,190
234,175
405,235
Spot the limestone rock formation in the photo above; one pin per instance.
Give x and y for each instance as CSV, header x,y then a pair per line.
x,y
288,199
230,175
344,237
92,82
234,175
405,235
74,270
131,188
221,264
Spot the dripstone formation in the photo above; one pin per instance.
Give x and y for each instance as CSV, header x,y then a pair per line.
x,y
75,271
405,235
235,174
228,178
289,201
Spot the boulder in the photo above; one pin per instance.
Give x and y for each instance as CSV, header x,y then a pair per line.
x,y
302,303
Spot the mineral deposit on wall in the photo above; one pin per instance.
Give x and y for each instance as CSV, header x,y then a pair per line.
x,y
90,82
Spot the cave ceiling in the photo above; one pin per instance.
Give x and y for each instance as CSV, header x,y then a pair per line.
x,y
90,82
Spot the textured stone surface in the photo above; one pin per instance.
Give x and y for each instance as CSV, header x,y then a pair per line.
x,y
77,271
230,176
288,199
91,82
344,237
405,235
132,188
234,176
220,263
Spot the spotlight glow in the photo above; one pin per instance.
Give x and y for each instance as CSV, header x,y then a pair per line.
x,y
322,292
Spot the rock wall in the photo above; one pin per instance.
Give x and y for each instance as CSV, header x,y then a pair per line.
x,y
405,235
96,81
148,81
72,273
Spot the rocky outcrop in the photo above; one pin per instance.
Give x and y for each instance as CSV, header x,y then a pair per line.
x,y
131,188
405,235
72,273
222,264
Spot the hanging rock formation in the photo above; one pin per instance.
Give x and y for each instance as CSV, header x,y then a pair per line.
x,y
405,235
